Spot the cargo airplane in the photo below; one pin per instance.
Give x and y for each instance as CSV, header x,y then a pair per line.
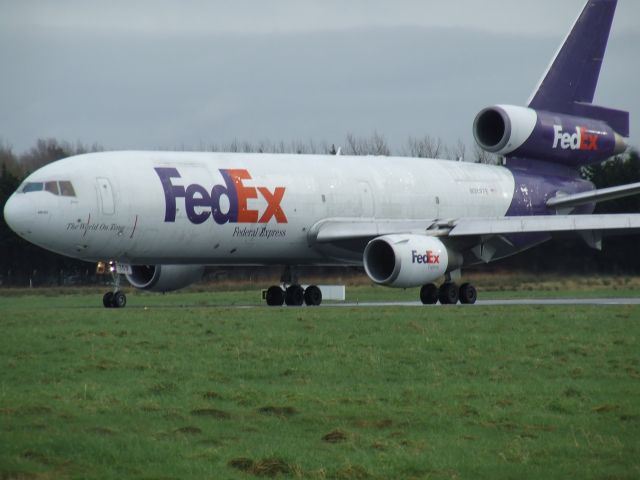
x,y
162,217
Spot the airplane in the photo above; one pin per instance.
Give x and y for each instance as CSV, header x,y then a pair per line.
x,y
161,217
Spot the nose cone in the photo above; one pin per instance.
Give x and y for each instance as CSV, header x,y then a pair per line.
x,y
19,215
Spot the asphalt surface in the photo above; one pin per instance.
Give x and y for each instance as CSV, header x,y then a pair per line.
x,y
480,303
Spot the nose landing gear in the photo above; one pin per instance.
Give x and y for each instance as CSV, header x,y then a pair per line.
x,y
116,298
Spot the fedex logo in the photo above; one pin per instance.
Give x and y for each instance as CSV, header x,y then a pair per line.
x,y
201,203
581,140
429,258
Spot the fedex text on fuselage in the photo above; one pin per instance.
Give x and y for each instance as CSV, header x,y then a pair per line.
x,y
202,203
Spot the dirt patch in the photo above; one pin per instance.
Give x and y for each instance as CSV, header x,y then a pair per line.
x,y
211,412
17,476
335,436
605,408
572,392
101,431
163,388
34,410
244,464
278,411
150,407
379,424
35,457
352,472
188,430
267,467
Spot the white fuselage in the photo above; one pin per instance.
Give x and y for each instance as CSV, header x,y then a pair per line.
x,y
121,209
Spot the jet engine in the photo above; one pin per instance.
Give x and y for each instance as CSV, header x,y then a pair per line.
x,y
523,132
405,261
164,278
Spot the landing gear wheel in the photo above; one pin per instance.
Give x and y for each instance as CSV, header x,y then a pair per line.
x,y
294,296
275,296
107,300
468,294
312,296
448,294
429,294
119,300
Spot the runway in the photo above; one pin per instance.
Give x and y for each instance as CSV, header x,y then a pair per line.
x,y
487,303
596,302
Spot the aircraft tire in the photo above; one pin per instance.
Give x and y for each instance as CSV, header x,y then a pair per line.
x,y
448,294
107,300
429,294
119,300
294,296
275,296
312,296
468,294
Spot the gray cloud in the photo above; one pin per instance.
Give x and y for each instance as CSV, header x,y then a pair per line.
x,y
167,74
253,16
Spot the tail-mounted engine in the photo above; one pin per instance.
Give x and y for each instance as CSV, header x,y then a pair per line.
x,y
405,261
523,132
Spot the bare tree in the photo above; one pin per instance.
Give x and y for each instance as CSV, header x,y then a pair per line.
x,y
425,147
374,145
458,152
49,150
9,161
379,145
482,156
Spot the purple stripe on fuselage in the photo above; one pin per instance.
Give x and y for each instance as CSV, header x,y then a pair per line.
x,y
535,183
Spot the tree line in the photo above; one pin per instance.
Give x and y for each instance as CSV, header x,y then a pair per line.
x,y
23,264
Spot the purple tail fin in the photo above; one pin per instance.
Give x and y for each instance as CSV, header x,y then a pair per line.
x,y
570,83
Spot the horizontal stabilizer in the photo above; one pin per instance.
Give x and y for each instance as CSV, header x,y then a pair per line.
x,y
616,119
595,196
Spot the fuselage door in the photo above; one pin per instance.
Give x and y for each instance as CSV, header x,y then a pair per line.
x,y
106,196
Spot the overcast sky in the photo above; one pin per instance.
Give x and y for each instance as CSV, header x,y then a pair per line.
x,y
167,74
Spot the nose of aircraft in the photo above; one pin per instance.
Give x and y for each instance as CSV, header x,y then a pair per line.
x,y
19,215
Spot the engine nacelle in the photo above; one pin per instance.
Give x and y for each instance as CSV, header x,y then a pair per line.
x,y
164,278
523,132
406,261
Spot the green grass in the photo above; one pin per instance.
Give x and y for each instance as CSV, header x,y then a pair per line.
x,y
349,393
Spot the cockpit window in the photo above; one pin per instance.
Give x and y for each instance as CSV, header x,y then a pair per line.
x,y
64,188
51,187
33,187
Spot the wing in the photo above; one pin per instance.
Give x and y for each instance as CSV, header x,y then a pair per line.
x,y
340,229
485,238
545,224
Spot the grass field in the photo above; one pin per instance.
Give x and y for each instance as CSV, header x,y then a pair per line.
x,y
173,387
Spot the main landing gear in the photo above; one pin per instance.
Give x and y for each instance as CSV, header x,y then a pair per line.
x,y
116,298
448,294
292,293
